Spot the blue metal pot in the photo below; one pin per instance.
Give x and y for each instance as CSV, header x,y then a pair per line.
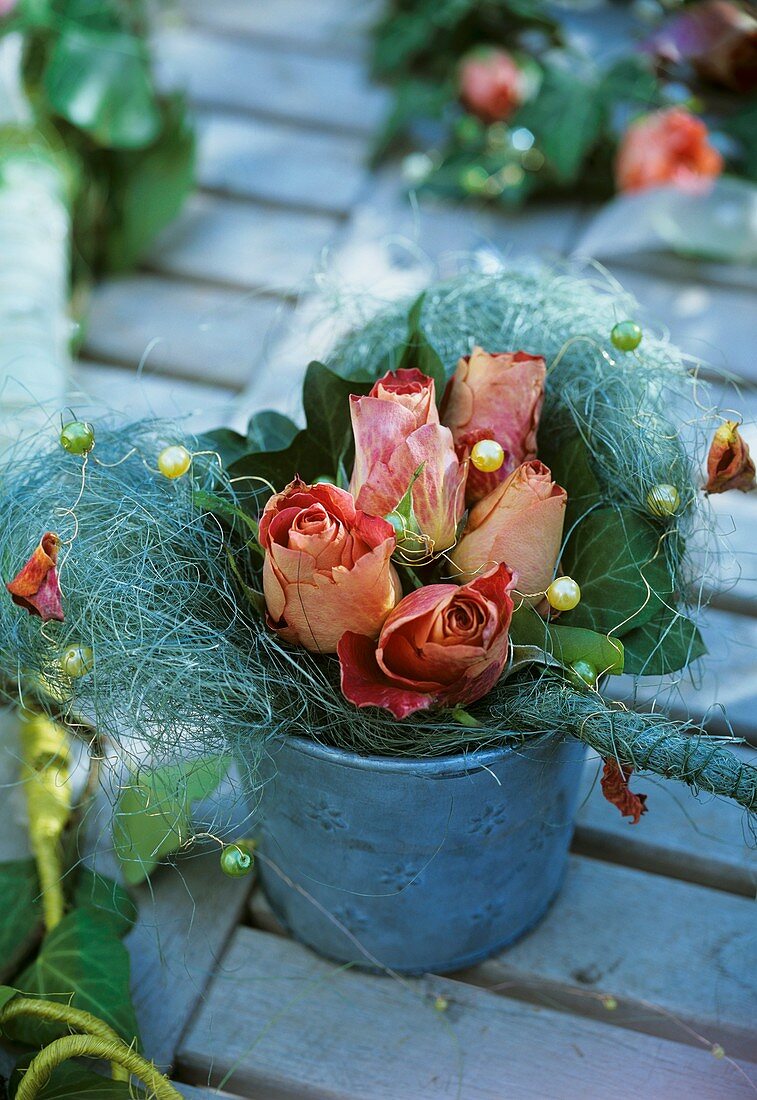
x,y
416,864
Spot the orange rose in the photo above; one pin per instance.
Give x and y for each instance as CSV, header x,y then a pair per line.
x,y
327,566
495,397
397,430
729,464
666,147
491,85
442,645
519,523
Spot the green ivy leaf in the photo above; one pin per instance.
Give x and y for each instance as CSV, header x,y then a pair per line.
x,y
100,82
618,559
229,445
571,467
566,644
81,962
630,80
6,994
665,644
105,896
566,120
154,813
269,430
20,922
320,449
72,1082
148,188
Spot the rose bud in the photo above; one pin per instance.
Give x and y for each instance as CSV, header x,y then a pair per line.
x,y
667,147
36,585
717,38
397,431
495,397
520,523
729,464
442,645
327,566
491,85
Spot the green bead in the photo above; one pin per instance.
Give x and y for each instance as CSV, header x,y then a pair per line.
x,y
77,437
585,671
235,861
77,661
626,335
474,180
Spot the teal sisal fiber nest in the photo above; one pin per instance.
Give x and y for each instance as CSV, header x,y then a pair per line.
x,y
184,663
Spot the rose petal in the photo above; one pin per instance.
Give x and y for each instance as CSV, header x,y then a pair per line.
x,y
35,587
729,464
365,685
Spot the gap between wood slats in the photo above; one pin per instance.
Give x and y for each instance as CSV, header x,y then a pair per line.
x,y
330,95
284,1024
667,951
329,28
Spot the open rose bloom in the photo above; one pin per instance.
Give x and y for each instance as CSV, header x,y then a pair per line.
x,y
667,148
436,634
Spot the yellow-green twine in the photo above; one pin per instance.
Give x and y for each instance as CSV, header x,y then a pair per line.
x,y
75,1018
46,757
92,1046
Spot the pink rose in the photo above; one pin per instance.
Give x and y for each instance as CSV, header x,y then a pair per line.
x,y
442,645
327,566
668,147
397,430
495,397
519,523
491,85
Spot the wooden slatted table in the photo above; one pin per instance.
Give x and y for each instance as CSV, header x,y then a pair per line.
x,y
642,974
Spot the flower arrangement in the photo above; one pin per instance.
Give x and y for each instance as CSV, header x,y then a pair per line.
x,y
519,109
460,524
485,518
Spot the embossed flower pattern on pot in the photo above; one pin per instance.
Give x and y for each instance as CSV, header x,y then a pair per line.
x,y
328,817
487,914
354,920
488,820
399,876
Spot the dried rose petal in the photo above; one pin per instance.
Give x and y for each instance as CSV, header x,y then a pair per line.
x,y
614,785
729,464
36,586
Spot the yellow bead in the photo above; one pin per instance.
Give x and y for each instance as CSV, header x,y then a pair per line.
x,y
563,594
487,456
174,462
663,500
77,661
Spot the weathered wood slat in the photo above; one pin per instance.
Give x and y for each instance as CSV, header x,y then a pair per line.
x,y
720,689
673,955
282,1023
705,842
104,390
186,917
710,322
221,72
262,160
334,26
242,245
216,336
191,1092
